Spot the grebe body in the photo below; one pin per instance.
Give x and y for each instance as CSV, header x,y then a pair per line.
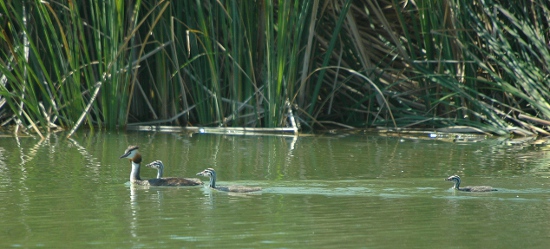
x,y
456,180
134,156
211,173
172,181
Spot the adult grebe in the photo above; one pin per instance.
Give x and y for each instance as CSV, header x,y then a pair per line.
x,y
133,154
456,180
172,181
210,172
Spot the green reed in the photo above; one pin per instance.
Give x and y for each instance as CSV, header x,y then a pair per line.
x,y
462,71
44,75
67,56
235,63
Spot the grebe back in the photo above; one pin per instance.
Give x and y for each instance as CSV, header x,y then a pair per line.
x,y
172,181
456,180
134,156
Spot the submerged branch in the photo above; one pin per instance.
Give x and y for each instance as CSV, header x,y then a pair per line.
x,y
533,119
164,120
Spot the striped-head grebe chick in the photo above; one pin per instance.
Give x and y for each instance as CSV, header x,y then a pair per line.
x,y
133,154
456,180
210,172
172,181
159,166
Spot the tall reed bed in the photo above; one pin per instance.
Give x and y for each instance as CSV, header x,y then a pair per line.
x,y
364,63
56,54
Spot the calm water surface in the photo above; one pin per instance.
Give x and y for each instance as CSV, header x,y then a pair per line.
x,y
349,191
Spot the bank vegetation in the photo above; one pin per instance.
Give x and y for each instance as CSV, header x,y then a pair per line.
x,y
427,64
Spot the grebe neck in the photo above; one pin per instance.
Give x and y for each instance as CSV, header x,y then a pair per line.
x,y
457,184
213,180
160,172
456,180
134,174
135,160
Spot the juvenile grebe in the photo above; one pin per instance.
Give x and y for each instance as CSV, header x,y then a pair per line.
x,y
239,189
133,154
172,181
456,180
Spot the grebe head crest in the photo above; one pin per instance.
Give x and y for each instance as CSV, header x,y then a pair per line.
x,y
130,152
454,178
211,174
157,164
207,172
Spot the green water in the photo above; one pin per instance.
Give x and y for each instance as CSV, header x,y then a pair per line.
x,y
348,191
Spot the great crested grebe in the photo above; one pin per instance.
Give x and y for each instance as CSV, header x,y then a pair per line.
x,y
456,180
210,172
172,181
133,154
